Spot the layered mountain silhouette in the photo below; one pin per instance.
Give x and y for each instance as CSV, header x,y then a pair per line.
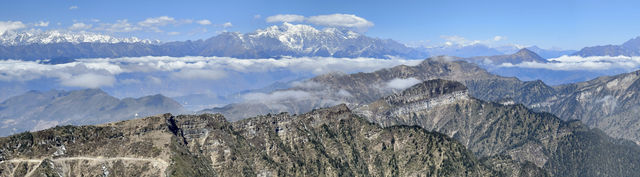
x,y
550,53
36,110
607,103
523,55
273,42
361,88
390,136
629,48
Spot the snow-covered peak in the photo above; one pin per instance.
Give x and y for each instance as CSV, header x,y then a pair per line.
x,y
304,37
55,36
286,29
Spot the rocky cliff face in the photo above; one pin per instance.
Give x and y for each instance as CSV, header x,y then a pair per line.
x,y
609,103
492,129
331,142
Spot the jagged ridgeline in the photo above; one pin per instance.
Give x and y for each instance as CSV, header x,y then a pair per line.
x,y
324,142
363,88
564,148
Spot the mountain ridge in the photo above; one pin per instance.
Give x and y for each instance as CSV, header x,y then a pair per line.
x,y
12,38
629,48
490,129
37,110
361,88
295,40
330,141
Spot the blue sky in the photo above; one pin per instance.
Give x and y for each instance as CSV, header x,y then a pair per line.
x,y
569,24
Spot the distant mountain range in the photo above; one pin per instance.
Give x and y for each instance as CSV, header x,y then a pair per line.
x,y
36,110
462,50
273,42
550,53
475,50
295,40
629,48
523,55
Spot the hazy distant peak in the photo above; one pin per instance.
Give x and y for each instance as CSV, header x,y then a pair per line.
x,y
632,43
529,55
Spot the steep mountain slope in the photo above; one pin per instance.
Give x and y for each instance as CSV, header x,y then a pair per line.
x,y
489,129
272,42
361,88
609,103
629,48
39,110
331,142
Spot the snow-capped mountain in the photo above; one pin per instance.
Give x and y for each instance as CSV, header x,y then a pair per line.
x,y
294,40
304,40
13,38
303,37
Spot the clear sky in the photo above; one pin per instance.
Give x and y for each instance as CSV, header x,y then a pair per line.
x,y
568,24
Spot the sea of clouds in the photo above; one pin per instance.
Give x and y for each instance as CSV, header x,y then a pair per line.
x,y
101,72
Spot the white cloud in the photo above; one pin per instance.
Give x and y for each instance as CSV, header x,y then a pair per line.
x,y
151,24
130,81
89,80
285,18
204,22
498,43
42,24
10,26
341,20
157,21
193,67
79,26
567,63
173,33
331,20
154,23
119,26
459,41
499,38
73,7
227,25
401,84
257,16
